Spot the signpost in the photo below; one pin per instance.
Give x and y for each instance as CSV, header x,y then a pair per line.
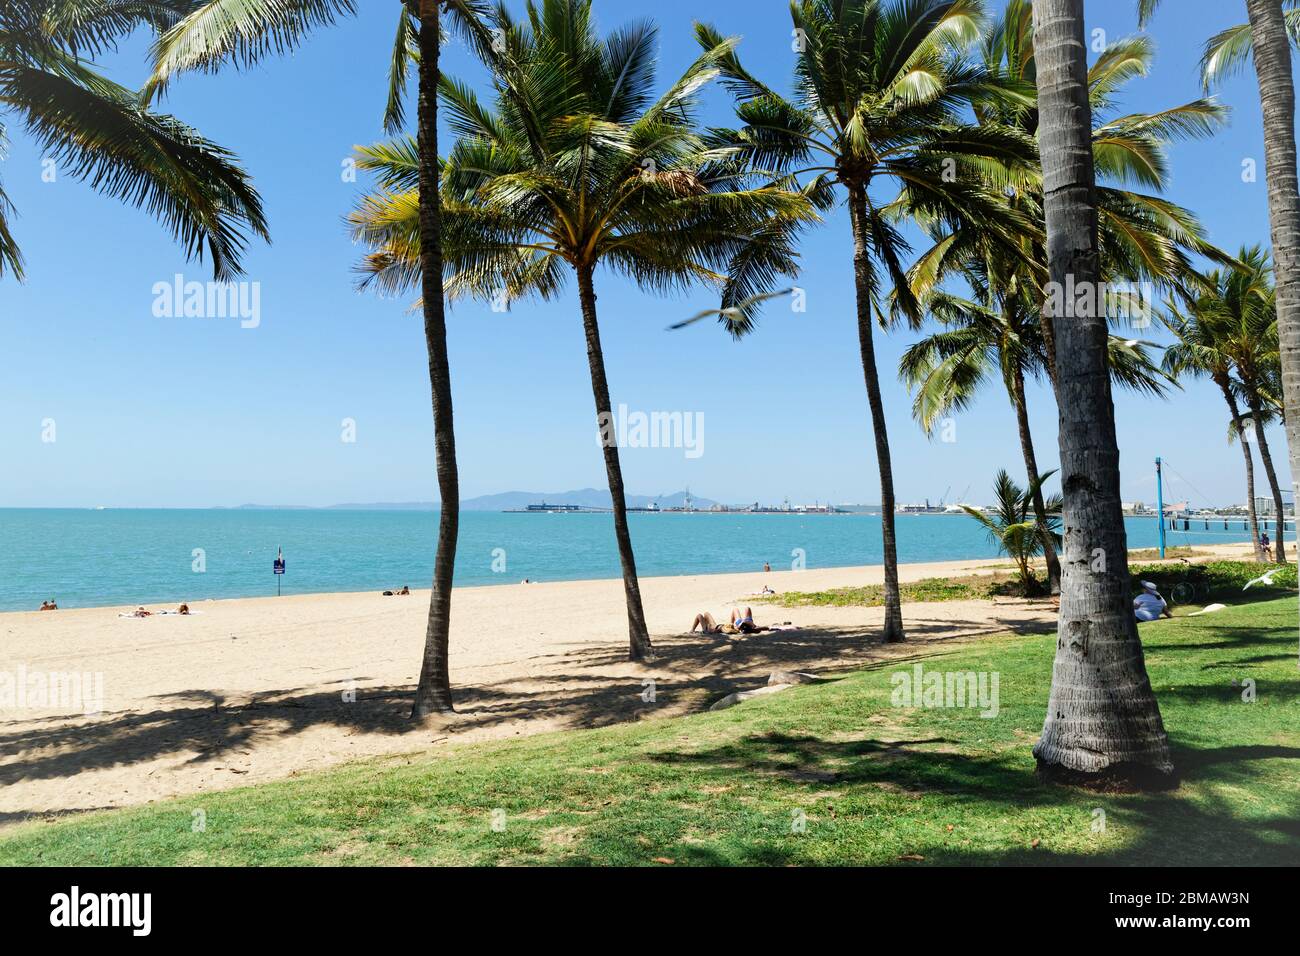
x,y
1160,505
279,569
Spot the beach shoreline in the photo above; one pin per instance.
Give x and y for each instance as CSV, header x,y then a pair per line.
x,y
909,572
249,690
76,558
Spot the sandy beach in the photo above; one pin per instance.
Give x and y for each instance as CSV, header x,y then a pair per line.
x,y
251,690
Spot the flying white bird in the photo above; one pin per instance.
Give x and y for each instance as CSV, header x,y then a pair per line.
x,y
735,312
1265,578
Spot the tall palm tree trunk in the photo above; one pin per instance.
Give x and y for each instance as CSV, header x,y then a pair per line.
x,y
862,276
1250,464
1031,466
433,695
1279,547
638,633
1049,340
1272,57
1102,717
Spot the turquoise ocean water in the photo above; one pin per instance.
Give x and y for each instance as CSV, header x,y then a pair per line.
x,y
88,558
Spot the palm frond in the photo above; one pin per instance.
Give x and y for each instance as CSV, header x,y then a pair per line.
x,y
241,32
99,133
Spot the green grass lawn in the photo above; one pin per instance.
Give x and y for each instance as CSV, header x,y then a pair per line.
x,y
974,587
865,782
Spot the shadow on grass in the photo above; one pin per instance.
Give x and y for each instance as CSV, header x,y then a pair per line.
x,y
1170,828
1227,637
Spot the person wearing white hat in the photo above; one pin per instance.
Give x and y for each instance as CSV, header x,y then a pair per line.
x,y
1149,605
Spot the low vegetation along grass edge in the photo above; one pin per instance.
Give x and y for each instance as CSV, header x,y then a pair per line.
x,y
1182,584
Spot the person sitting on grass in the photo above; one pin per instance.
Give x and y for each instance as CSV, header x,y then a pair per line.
x,y
1149,605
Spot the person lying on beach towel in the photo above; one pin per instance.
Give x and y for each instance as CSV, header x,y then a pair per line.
x,y
741,623
707,625
182,611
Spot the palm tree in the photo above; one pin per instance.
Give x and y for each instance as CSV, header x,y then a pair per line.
x,y
1229,50
1268,40
1277,98
1199,352
97,131
1102,716
574,168
1143,237
1245,307
882,89
244,32
1017,533
996,333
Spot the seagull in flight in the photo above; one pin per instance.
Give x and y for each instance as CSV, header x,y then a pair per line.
x,y
1265,578
735,312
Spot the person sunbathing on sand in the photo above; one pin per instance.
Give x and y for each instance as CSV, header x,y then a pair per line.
x,y
707,625
183,609
740,623
49,605
745,623
141,612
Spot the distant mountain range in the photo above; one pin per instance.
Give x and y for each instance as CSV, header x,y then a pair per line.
x,y
511,501
585,498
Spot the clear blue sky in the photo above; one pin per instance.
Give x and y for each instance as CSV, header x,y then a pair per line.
x,y
187,412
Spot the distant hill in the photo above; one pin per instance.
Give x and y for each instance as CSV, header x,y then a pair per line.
x,y
584,498
507,501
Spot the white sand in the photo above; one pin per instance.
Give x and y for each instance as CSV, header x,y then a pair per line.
x,y
254,689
